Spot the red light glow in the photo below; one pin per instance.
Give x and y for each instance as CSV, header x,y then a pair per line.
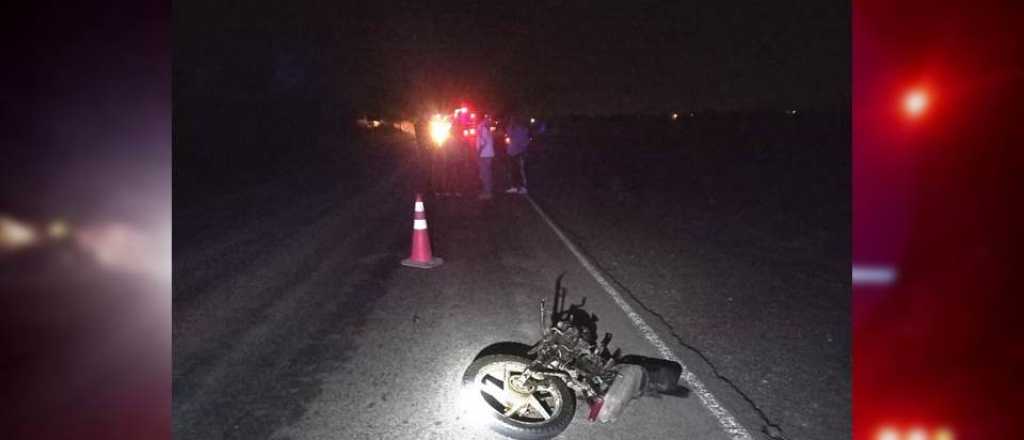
x,y
917,433
888,434
915,103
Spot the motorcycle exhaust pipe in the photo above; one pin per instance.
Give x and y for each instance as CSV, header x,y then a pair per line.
x,y
662,375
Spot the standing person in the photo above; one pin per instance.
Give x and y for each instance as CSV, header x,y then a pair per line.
x,y
485,154
518,141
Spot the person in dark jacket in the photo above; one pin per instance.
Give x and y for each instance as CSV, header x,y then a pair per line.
x,y
518,142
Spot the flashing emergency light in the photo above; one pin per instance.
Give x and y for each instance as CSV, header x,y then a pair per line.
x,y
888,434
917,433
915,103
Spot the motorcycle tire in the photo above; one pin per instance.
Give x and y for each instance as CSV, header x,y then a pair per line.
x,y
557,400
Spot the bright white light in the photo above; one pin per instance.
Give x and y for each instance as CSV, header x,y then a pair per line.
x,y
917,434
675,116
439,130
532,120
15,234
873,275
473,405
915,102
125,248
888,434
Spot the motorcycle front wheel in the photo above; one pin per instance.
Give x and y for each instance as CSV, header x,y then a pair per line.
x,y
514,407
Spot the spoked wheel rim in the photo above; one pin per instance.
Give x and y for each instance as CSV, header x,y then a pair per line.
x,y
503,388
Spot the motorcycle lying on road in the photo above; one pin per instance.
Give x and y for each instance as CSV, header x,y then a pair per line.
x,y
533,395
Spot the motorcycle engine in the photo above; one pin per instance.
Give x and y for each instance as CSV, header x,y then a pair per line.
x,y
573,349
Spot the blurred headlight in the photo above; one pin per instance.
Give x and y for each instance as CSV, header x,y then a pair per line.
x,y
439,130
57,229
15,234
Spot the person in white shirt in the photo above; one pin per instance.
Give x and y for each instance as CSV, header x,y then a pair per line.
x,y
485,155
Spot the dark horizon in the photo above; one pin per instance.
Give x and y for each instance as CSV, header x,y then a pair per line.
x,y
547,59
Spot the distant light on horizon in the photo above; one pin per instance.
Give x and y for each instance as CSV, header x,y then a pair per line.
x,y
675,116
15,234
57,229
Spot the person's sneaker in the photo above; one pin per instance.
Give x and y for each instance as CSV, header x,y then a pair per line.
x,y
512,190
522,190
485,196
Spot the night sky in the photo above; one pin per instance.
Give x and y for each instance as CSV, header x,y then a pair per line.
x,y
551,57
88,86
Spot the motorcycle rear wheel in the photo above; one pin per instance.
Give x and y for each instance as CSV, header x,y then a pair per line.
x,y
540,412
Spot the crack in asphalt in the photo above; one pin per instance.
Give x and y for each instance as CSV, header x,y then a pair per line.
x,y
770,428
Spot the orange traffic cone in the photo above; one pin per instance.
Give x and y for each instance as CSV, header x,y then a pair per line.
x,y
420,255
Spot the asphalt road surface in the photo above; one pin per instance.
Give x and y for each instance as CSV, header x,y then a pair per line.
x,y
292,317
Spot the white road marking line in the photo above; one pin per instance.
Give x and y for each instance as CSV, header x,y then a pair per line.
x,y
418,207
873,275
724,417
419,224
